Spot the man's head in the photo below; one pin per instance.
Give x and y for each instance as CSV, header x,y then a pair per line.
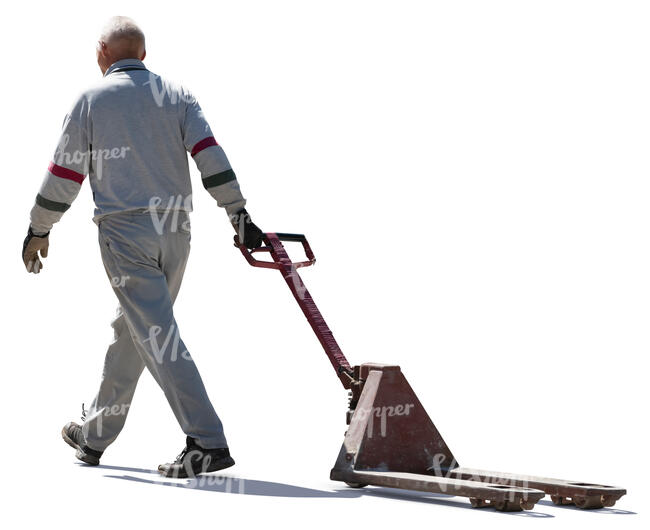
x,y
121,38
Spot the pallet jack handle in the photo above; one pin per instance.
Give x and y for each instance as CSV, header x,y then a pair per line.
x,y
288,269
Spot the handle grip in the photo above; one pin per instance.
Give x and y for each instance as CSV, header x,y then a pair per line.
x,y
283,236
273,240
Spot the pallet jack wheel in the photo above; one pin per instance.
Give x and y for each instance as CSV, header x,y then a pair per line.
x,y
558,500
356,485
508,506
527,505
478,503
591,502
609,501
502,506
585,503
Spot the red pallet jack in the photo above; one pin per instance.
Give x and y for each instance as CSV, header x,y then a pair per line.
x,y
391,441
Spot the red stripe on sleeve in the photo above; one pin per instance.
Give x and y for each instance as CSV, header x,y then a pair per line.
x,y
65,173
206,142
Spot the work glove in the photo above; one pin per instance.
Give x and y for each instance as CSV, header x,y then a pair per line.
x,y
247,231
31,246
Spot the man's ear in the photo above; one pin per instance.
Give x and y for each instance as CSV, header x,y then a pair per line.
x,y
144,54
101,48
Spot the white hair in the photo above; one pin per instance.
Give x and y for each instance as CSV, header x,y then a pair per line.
x,y
123,30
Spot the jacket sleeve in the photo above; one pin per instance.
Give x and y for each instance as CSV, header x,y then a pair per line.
x,y
66,171
217,175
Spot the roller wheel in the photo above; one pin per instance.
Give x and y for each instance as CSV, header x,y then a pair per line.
x,y
560,501
507,506
478,503
587,503
527,505
609,500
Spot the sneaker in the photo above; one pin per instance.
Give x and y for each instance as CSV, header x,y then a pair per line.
x,y
194,460
73,436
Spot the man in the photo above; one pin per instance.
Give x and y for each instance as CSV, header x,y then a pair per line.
x,y
130,134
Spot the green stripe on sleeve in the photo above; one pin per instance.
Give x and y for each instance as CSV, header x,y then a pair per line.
x,y
218,179
51,205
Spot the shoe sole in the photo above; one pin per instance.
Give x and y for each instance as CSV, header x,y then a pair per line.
x,y
80,454
216,465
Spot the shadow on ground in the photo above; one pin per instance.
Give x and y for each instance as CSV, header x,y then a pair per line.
x,y
242,486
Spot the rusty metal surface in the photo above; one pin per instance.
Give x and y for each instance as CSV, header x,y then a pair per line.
x,y
399,435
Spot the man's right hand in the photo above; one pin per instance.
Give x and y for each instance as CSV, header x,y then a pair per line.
x,y
31,246
247,231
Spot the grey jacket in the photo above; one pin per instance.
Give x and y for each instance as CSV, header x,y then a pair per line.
x,y
130,134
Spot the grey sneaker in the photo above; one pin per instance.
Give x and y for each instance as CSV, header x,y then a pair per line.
x,y
73,436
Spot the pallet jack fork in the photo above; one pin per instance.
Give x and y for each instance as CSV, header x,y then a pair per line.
x,y
391,441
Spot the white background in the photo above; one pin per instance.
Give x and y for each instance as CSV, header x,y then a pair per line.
x,y
473,178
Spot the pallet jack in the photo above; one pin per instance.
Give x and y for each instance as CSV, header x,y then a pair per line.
x,y
391,440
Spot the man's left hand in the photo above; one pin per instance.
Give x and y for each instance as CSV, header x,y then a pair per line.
x,y
248,232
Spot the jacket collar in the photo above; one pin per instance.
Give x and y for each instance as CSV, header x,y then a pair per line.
x,y
125,63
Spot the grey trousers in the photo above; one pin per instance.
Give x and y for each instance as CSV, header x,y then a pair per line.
x,y
145,254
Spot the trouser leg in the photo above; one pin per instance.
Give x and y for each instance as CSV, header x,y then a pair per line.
x,y
122,368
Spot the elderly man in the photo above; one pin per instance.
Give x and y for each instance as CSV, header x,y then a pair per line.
x,y
130,135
